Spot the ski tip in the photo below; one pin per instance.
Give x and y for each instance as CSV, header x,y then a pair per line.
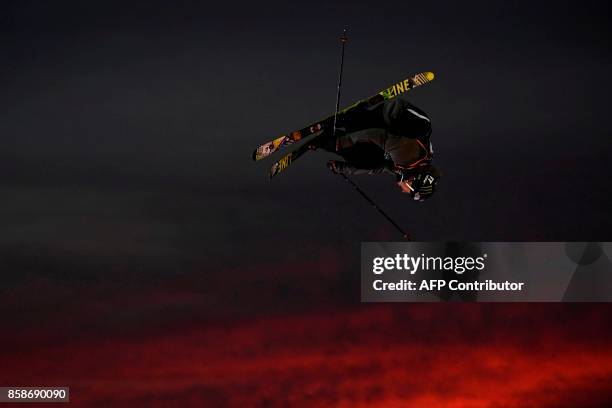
x,y
281,165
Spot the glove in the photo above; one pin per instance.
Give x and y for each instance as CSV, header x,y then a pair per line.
x,y
336,166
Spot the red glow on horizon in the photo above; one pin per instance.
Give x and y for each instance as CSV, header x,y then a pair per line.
x,y
368,357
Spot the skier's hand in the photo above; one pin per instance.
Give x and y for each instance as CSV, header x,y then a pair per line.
x,y
335,166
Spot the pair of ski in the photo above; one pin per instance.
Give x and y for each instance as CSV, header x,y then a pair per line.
x,y
317,129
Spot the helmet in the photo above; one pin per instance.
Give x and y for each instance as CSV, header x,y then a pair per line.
x,y
421,181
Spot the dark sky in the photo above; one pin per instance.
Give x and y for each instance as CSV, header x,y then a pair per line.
x,y
131,209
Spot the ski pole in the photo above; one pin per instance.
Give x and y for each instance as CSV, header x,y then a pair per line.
x,y
343,41
384,214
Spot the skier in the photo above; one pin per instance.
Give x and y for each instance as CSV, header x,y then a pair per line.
x,y
389,137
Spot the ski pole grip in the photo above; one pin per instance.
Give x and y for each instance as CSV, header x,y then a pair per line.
x,y
343,37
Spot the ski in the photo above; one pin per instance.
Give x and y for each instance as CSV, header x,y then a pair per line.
x,y
276,144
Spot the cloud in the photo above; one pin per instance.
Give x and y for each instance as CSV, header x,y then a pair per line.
x,y
474,355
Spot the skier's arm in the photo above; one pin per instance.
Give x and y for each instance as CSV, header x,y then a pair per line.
x,y
341,167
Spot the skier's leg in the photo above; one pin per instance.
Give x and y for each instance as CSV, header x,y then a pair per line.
x,y
405,119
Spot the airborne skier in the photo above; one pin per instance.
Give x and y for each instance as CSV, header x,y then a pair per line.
x,y
390,137
379,134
